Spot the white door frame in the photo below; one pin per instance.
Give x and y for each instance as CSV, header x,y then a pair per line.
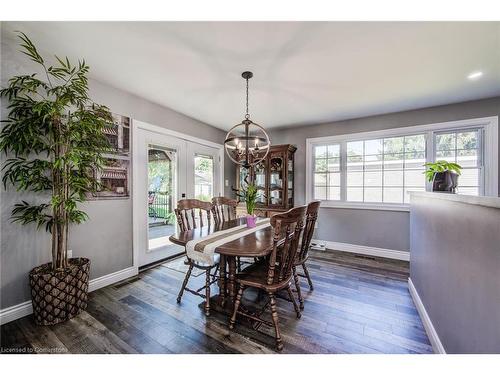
x,y
136,201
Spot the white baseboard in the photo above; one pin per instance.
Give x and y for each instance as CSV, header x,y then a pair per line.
x,y
366,250
15,312
426,320
18,311
112,278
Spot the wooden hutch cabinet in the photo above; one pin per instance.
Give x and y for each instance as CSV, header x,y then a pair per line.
x,y
273,176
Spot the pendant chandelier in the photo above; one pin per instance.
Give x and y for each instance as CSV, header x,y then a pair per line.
x,y
247,143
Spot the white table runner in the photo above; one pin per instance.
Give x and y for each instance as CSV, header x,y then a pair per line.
x,y
202,249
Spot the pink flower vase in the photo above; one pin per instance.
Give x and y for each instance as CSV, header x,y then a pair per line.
x,y
251,220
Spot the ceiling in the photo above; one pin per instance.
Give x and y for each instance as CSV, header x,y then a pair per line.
x,y
304,72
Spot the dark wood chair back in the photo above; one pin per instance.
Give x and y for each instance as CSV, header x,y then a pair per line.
x,y
224,209
188,210
311,217
287,228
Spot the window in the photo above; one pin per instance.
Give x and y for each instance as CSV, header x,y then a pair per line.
x,y
379,169
327,172
385,169
462,147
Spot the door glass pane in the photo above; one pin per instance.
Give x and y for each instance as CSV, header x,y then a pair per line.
x,y
162,163
203,177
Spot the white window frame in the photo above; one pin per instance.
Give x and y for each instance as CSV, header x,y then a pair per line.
x,y
490,157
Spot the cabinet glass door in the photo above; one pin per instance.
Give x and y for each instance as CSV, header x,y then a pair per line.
x,y
290,180
260,181
276,174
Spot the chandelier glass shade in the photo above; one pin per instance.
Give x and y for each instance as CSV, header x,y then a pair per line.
x,y
247,143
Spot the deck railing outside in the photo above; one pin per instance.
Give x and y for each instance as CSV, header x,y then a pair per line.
x,y
160,207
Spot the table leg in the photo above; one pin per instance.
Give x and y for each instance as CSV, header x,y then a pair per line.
x,y
231,285
222,280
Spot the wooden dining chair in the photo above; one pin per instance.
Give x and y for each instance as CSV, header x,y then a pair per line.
x,y
302,255
274,273
191,214
224,209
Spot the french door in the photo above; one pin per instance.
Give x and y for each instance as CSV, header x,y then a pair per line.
x,y
169,168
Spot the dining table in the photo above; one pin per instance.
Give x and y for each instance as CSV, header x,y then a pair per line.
x,y
254,245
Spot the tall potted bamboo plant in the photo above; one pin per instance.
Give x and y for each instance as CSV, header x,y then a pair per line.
x,y
249,195
53,140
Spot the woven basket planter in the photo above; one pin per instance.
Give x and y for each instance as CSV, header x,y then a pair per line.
x,y
60,295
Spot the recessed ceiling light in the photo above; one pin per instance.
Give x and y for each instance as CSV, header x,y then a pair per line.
x,y
475,75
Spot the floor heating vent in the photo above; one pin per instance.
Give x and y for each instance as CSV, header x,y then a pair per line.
x,y
317,246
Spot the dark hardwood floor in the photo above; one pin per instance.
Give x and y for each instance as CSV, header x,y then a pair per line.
x,y
359,305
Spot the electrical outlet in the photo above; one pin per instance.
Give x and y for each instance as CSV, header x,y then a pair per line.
x,y
227,183
70,254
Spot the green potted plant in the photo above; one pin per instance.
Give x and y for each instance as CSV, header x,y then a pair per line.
x,y
53,140
443,175
249,195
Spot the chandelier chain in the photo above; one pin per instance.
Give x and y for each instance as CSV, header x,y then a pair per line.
x,y
247,116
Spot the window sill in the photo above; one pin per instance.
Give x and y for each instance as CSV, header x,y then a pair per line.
x,y
366,206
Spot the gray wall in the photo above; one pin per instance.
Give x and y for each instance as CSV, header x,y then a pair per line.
x,y
384,229
455,258
107,237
